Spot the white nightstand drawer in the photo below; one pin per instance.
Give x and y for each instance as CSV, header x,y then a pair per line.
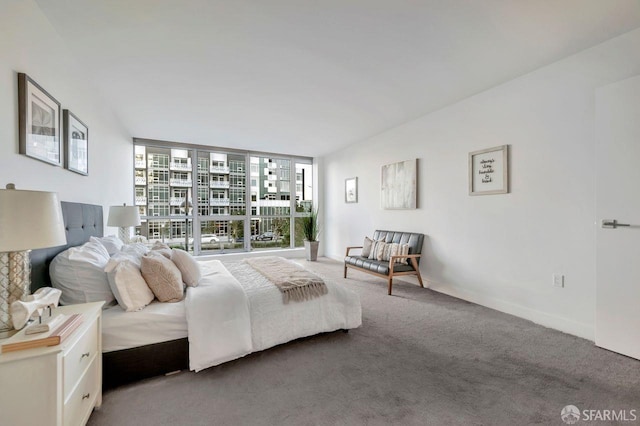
x,y
81,402
45,385
78,358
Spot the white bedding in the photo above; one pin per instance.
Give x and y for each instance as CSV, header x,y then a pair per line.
x,y
158,322
273,322
233,312
217,317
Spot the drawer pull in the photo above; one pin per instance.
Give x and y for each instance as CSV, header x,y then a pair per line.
x,y
85,354
86,395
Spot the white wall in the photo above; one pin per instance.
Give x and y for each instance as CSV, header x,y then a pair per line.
x,y
29,44
497,250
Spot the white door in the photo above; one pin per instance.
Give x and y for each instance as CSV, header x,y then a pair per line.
x,y
618,198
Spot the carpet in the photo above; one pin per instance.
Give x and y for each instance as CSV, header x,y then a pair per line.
x,y
420,358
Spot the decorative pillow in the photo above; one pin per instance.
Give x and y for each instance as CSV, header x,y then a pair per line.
x,y
131,257
377,247
394,249
162,248
79,273
163,277
188,266
404,250
111,243
135,249
366,247
126,282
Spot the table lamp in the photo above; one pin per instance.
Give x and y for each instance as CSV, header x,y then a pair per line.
x,y
28,220
123,217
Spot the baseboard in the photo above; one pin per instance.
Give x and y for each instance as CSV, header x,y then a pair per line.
x,y
542,318
555,322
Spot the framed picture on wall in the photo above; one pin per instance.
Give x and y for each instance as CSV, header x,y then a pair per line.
x,y
76,144
489,171
399,185
351,190
39,122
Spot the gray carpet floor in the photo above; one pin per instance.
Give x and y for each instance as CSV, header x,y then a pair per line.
x,y
420,358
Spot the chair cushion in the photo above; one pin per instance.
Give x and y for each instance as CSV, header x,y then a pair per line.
x,y
378,266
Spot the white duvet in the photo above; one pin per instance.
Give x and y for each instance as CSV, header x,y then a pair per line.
x,y
236,311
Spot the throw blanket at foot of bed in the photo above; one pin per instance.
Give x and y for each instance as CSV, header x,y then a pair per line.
x,y
294,282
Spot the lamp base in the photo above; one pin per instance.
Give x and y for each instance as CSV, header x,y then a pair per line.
x,y
15,282
124,235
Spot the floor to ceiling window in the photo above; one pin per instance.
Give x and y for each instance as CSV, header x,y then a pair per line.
x,y
211,200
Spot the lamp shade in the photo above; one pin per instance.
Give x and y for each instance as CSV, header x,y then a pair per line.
x,y
30,220
123,216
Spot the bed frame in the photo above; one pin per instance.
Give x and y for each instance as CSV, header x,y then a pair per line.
x,y
83,221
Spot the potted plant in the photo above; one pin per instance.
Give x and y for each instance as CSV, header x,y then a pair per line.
x,y
310,230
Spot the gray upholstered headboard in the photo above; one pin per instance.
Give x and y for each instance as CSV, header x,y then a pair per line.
x,y
81,221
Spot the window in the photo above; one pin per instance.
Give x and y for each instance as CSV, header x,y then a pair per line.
x,y
232,194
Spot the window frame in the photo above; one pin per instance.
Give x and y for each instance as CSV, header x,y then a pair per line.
x,y
194,152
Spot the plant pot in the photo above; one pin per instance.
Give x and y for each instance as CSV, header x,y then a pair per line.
x,y
311,249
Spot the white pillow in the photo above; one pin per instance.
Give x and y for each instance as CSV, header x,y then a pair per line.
x,y
126,282
79,273
112,243
135,249
188,267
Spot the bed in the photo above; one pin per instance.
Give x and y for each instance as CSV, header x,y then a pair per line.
x,y
156,341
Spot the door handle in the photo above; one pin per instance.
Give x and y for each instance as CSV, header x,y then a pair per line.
x,y
613,223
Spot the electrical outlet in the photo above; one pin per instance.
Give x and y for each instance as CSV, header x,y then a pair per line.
x,y
558,280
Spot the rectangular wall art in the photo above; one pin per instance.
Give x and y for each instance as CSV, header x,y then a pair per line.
x,y
39,122
489,171
76,144
351,190
399,189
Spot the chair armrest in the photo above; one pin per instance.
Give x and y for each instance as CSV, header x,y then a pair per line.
x,y
410,257
352,247
404,256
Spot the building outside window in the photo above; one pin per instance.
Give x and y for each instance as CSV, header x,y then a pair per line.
x,y
223,183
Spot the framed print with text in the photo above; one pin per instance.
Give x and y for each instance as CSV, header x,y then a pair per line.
x,y
489,171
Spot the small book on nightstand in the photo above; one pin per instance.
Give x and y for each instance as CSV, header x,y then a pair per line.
x,y
62,328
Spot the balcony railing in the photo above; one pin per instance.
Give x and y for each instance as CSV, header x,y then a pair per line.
x,y
180,182
219,184
219,201
141,180
141,164
176,201
219,169
179,166
141,201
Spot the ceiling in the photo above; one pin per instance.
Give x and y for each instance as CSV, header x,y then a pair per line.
x,y
309,77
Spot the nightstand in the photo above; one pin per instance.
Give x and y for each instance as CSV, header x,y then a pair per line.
x,y
55,385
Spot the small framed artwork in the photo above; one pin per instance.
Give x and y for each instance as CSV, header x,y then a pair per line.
x,y
489,171
76,144
39,122
351,190
399,185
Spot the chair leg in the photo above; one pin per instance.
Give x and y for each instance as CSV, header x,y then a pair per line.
x,y
345,271
415,266
390,283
